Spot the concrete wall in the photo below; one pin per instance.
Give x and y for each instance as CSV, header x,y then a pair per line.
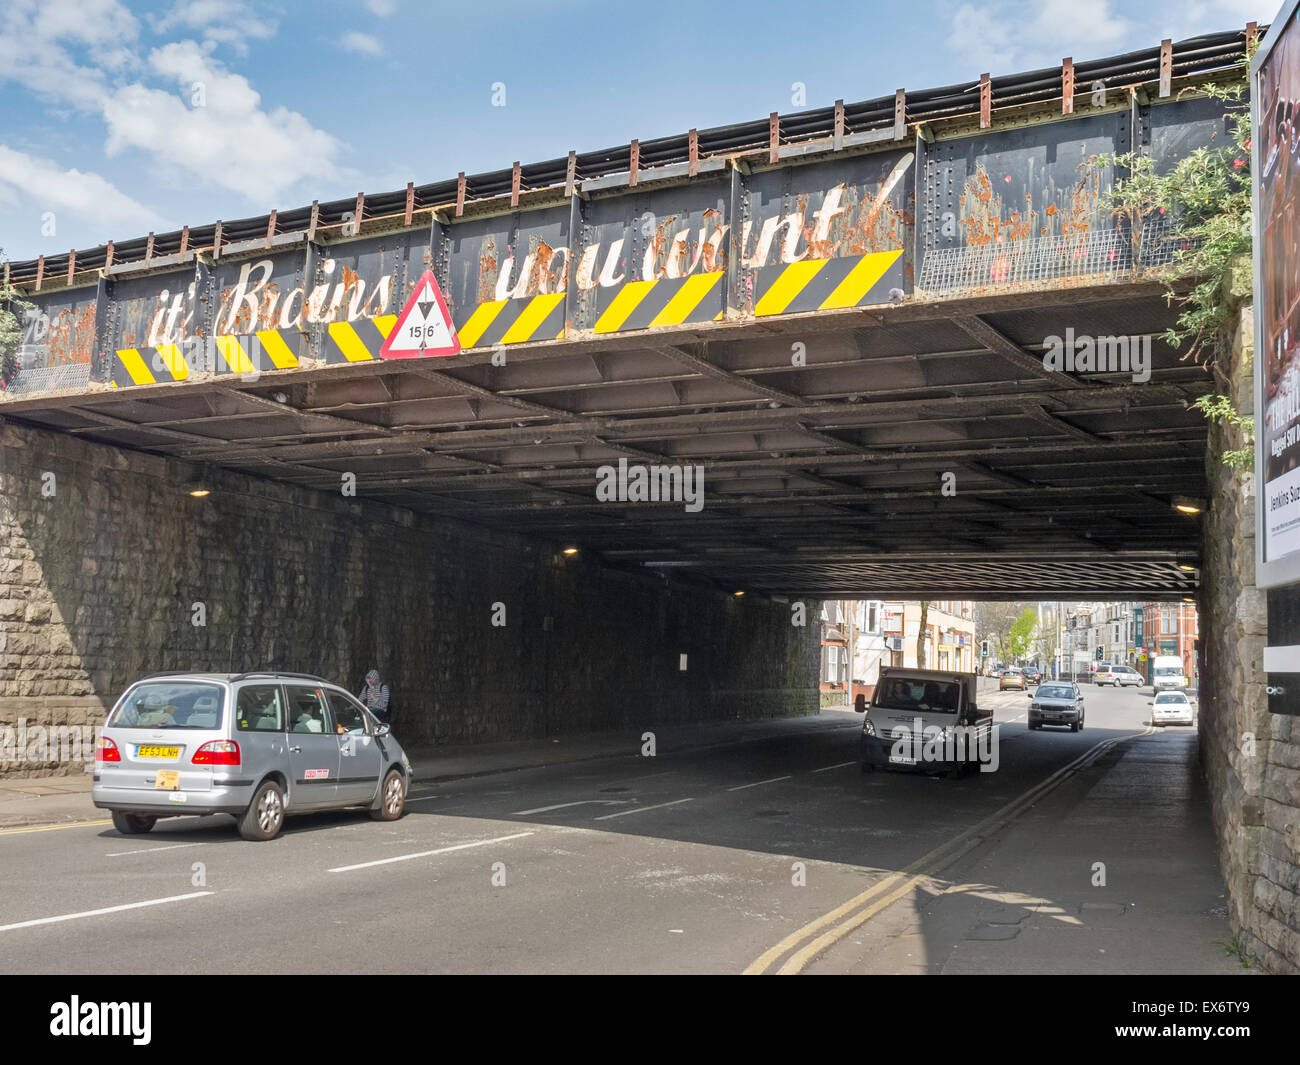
x,y
1251,758
101,581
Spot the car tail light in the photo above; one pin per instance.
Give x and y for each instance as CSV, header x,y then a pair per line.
x,y
106,751
218,752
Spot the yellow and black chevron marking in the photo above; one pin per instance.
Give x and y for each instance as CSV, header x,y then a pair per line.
x,y
514,321
828,284
357,341
671,301
270,349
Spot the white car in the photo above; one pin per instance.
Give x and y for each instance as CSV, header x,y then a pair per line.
x,y
1172,708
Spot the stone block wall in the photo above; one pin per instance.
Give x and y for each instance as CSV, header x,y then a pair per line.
x,y
1251,758
110,570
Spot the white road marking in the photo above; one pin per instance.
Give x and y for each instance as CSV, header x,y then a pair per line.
x,y
566,805
773,780
427,854
106,909
150,850
837,765
641,809
423,798
645,776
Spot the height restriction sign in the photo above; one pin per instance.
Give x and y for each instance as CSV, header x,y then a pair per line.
x,y
424,327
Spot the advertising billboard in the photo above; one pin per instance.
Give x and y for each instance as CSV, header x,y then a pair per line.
x,y
1275,148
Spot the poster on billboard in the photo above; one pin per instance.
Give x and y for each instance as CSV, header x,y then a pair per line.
x,y
1275,141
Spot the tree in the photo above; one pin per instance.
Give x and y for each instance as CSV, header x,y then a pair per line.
x,y
994,620
11,331
921,633
1022,634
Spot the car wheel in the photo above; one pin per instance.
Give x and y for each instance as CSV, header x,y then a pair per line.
x,y
265,814
133,824
392,797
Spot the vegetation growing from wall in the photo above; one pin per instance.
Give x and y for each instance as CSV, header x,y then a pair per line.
x,y
1207,197
11,330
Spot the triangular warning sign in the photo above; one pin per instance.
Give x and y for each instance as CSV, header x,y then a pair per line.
x,y
424,327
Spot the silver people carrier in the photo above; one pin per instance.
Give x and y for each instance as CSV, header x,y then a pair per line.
x,y
254,745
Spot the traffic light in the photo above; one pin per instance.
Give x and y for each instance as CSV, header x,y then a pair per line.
x,y
1099,654
984,648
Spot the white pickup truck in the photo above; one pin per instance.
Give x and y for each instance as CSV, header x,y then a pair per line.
x,y
925,720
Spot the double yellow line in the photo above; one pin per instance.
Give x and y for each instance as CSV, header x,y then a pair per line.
x,y
802,946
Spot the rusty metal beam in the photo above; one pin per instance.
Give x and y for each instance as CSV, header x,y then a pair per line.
x,y
708,369
976,327
986,102
1045,417
1067,86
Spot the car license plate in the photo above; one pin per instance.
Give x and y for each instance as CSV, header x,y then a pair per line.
x,y
902,759
154,751
167,780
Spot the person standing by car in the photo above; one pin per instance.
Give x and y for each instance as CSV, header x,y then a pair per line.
x,y
374,696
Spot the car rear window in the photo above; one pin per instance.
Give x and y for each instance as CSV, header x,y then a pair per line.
x,y
260,708
899,693
170,705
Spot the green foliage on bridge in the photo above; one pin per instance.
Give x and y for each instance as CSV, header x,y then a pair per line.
x,y
1207,194
11,330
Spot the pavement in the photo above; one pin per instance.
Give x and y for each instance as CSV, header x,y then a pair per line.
x,y
742,846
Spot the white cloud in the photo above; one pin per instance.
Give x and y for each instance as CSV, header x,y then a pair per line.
x,y
38,39
231,141
1006,36
46,186
362,43
381,8
229,22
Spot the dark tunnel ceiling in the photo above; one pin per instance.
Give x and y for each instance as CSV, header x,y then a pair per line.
x,y
819,480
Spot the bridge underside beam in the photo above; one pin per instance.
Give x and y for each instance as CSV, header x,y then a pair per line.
x,y
908,450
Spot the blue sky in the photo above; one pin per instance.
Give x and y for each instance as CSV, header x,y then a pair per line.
x,y
118,116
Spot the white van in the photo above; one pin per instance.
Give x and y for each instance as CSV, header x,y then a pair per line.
x,y
924,719
1167,673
